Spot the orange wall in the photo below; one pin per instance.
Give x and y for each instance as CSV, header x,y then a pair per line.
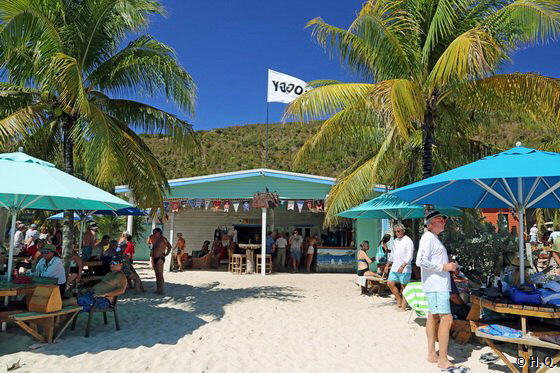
x,y
491,215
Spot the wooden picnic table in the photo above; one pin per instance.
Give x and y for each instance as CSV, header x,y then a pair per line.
x,y
527,342
9,289
92,263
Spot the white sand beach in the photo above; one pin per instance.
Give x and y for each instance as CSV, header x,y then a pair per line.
x,y
219,322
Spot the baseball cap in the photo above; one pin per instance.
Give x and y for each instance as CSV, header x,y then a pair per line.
x,y
48,247
33,225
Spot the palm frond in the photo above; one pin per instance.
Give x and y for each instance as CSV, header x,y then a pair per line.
x,y
324,101
19,123
148,119
114,154
351,189
473,54
146,67
65,77
514,94
525,21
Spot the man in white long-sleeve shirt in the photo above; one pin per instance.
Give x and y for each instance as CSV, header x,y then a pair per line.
x,y
400,258
436,281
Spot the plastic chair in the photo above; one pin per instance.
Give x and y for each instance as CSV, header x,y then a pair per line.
x,y
416,298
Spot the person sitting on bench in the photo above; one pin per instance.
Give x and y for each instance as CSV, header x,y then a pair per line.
x,y
51,266
112,282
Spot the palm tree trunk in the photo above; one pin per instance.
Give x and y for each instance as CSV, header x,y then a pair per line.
x,y
428,139
68,153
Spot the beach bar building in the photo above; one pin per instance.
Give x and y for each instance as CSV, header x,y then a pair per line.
x,y
203,206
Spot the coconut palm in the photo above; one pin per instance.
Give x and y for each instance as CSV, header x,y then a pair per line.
x,y
70,79
428,81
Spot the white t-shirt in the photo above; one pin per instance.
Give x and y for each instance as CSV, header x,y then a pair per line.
x,y
281,243
296,243
31,235
18,239
431,257
403,250
54,269
555,239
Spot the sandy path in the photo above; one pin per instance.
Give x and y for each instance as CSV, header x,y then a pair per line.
x,y
218,322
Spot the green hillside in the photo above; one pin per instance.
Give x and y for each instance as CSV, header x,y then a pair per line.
x,y
242,147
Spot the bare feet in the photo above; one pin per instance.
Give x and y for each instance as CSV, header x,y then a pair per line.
x,y
433,358
445,364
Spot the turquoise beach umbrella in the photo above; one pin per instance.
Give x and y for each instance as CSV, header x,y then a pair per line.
x,y
387,206
30,183
518,178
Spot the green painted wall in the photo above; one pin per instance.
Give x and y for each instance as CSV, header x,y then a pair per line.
x,y
370,230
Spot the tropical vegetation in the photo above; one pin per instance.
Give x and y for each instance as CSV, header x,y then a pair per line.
x,y
428,84
70,71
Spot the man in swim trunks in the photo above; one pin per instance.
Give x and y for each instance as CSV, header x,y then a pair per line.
x,y
161,248
436,281
180,247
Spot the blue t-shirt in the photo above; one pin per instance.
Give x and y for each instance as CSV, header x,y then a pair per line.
x,y
269,244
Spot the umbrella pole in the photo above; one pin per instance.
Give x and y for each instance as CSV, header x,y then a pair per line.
x,y
520,213
11,252
82,225
10,258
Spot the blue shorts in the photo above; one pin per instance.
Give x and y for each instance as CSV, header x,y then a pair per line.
x,y
401,278
438,302
88,300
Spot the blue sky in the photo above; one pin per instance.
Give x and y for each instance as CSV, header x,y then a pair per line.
x,y
228,46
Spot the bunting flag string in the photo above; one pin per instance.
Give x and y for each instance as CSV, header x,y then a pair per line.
x,y
235,206
226,206
246,206
299,205
309,205
291,205
319,205
216,205
199,202
206,204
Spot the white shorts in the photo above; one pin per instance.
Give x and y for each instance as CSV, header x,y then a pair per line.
x,y
310,250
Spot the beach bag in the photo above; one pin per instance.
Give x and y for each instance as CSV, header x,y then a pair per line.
x,y
526,296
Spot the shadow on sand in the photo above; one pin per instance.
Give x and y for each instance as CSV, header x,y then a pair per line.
x,y
146,321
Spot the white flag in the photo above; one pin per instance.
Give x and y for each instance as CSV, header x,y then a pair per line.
x,y
284,88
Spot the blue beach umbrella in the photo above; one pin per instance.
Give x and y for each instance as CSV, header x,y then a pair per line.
x,y
518,178
387,206
30,183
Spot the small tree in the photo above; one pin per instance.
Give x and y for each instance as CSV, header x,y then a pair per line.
x,y
478,245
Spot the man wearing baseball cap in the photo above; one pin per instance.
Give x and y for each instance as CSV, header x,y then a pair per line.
x,y
436,281
51,266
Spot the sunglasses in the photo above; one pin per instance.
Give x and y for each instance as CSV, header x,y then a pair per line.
x,y
115,263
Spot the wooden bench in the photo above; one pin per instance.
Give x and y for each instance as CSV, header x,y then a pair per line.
x,y
525,341
29,321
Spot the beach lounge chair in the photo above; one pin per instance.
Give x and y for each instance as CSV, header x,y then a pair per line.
x,y
204,262
416,298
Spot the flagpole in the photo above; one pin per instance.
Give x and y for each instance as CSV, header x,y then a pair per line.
x,y
266,151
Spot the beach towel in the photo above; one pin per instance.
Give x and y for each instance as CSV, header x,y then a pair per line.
x,y
501,331
416,298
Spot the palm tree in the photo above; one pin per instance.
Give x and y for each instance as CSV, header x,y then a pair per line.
x,y
69,82
429,81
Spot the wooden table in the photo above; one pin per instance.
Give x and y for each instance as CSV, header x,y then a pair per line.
x,y
525,350
250,251
9,289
